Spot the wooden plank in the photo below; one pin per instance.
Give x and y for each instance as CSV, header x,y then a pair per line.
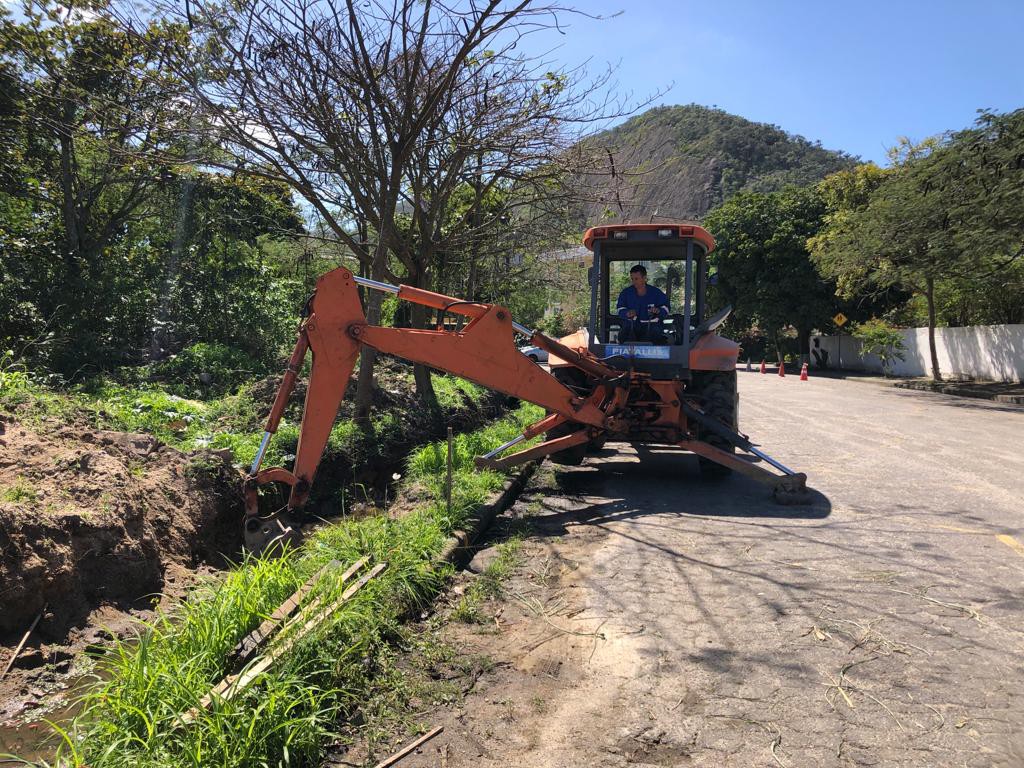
x,y
405,751
242,681
231,685
249,644
313,619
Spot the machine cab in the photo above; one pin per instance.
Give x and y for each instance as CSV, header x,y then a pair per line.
x,y
656,340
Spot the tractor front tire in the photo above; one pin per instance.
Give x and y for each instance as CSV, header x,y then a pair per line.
x,y
573,456
720,401
574,379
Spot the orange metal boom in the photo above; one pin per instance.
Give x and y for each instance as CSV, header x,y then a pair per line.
x,y
483,352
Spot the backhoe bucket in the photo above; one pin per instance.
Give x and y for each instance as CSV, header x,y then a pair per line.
x,y
271,535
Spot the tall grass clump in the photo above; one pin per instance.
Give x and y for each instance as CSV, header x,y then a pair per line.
x,y
470,486
134,714
453,392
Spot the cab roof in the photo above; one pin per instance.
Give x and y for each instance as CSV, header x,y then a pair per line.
x,y
695,231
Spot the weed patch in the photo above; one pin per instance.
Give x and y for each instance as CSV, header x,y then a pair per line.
x,y
21,492
489,584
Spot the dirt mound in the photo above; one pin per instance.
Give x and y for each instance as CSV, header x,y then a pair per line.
x,y
89,517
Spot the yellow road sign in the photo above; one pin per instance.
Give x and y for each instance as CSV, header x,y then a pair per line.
x,y
839,319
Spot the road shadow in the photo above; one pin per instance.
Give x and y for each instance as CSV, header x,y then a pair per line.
x,y
665,482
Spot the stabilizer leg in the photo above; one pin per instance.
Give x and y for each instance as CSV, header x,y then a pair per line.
x,y
789,488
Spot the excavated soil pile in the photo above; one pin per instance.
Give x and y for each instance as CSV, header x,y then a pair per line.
x,y
89,517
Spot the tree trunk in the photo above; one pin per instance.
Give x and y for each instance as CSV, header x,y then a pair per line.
x,y
469,293
368,356
930,296
69,208
804,337
420,372
778,349
159,340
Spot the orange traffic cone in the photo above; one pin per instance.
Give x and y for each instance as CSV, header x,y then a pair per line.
x,y
782,369
763,368
803,372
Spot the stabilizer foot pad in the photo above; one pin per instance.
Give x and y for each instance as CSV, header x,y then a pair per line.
x,y
791,490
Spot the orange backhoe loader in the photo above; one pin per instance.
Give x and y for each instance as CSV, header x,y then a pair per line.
x,y
666,378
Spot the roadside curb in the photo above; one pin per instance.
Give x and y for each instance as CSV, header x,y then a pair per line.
x,y
461,542
958,391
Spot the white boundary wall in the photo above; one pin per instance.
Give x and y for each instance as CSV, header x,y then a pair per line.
x,y
986,352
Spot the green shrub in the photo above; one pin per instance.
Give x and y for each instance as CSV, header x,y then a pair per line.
x,y
173,419
879,338
14,379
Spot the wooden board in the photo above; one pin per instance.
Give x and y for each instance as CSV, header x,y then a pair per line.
x,y
296,628
249,644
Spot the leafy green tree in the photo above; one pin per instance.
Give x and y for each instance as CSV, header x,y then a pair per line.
x,y
89,110
980,178
115,246
897,238
981,173
764,268
947,216
223,287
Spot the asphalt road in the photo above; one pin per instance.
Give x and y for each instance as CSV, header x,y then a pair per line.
x,y
660,620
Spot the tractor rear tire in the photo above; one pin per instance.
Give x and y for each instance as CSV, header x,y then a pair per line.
x,y
720,401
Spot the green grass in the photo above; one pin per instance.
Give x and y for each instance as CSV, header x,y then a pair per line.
x,y
469,486
18,390
131,716
21,491
453,392
233,421
182,423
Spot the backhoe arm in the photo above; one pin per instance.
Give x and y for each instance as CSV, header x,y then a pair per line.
x,y
483,352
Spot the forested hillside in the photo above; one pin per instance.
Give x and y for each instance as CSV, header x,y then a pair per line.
x,y
682,161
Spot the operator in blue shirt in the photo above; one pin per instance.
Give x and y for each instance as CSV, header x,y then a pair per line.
x,y
642,307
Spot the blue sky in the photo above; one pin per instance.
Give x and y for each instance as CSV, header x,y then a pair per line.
x,y
854,75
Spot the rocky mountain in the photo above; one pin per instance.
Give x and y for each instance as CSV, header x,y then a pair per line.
x,y
679,162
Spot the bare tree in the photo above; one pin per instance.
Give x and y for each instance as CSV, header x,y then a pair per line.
x,y
373,112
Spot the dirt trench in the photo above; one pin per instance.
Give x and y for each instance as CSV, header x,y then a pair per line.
x,y
98,527
91,517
